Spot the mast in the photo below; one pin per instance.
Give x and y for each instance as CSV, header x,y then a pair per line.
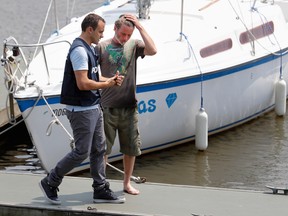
x,y
181,20
143,9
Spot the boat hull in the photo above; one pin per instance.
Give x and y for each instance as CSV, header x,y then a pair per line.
x,y
228,65
167,110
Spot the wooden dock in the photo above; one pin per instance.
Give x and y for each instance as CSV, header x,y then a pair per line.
x,y
21,195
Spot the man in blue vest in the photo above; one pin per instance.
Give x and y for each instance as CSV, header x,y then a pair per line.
x,y
80,93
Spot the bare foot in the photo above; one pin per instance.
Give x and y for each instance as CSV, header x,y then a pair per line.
x,y
131,190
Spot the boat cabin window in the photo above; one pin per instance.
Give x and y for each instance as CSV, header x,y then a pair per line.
x,y
257,32
216,48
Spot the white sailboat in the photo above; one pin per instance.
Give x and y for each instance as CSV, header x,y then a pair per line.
x,y
219,64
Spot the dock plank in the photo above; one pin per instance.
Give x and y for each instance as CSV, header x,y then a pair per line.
x,y
21,195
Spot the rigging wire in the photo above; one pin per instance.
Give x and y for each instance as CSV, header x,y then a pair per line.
x,y
198,65
44,24
69,15
253,9
280,53
263,19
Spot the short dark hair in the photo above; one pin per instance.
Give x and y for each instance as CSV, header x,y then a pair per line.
x,y
122,20
91,20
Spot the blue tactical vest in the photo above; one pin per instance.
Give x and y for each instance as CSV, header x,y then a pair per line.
x,y
70,93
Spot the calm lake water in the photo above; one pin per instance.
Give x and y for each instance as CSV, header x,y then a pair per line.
x,y
247,157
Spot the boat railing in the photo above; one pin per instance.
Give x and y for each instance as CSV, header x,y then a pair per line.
x,y
17,65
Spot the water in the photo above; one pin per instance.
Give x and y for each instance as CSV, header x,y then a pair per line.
x,y
247,157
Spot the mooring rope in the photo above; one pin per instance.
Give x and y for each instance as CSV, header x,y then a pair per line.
x,y
58,122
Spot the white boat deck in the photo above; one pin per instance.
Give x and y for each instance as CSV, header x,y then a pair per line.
x,y
20,195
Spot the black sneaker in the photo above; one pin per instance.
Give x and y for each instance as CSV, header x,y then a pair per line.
x,y
106,195
49,192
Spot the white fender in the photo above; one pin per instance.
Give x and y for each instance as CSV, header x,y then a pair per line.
x,y
201,135
280,97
